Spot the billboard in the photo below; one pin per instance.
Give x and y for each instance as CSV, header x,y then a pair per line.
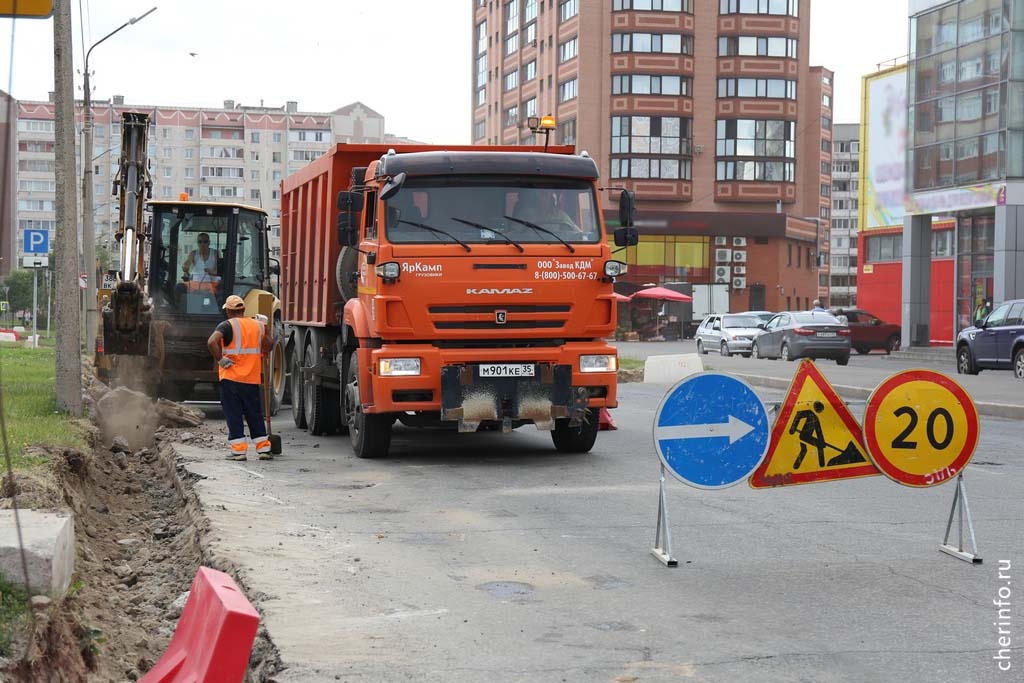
x,y
883,148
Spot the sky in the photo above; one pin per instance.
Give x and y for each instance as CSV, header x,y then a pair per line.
x,y
325,54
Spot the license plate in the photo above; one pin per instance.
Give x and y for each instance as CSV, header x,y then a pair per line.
x,y
827,334
507,370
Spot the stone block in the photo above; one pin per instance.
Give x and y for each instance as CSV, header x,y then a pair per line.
x,y
669,369
49,540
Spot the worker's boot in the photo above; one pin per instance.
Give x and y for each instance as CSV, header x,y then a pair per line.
x,y
263,448
238,448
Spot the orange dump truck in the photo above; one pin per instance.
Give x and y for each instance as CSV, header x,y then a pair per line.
x,y
461,286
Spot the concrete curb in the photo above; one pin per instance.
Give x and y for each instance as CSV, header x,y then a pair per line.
x,y
1006,410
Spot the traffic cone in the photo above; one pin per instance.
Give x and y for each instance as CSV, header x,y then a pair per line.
x,y
605,421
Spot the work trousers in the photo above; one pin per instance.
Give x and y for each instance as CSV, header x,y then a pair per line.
x,y
241,404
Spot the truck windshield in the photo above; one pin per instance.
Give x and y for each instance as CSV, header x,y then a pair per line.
x,y
500,211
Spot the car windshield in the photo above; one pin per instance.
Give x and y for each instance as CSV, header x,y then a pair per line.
x,y
823,318
740,321
499,210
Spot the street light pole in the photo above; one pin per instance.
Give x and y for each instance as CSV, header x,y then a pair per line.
x,y
88,220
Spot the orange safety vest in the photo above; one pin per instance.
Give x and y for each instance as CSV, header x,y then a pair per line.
x,y
245,351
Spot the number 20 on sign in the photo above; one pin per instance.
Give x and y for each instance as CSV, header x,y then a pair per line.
x,y
920,428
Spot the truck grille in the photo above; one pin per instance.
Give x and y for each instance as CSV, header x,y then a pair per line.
x,y
486,316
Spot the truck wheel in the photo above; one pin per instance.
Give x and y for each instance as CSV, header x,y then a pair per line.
x,y
370,434
579,439
298,391
348,263
278,376
320,410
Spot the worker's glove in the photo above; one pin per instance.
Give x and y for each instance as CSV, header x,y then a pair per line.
x,y
225,362
261,318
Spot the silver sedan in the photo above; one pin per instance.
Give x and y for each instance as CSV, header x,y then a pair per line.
x,y
727,334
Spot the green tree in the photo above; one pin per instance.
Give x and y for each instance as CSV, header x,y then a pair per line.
x,y
19,293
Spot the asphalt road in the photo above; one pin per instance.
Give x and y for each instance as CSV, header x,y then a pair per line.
x,y
491,557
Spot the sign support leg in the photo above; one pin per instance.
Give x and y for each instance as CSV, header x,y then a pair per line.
x,y
962,511
663,535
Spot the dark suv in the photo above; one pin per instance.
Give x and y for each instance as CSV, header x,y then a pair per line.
x,y
995,343
868,332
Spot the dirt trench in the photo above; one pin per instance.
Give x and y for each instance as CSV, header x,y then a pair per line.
x,y
140,538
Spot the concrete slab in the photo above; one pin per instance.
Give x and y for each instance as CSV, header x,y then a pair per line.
x,y
49,540
671,368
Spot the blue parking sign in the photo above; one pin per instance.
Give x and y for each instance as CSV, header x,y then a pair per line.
x,y
37,242
711,430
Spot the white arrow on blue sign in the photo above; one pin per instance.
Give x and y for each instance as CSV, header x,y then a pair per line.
x,y
711,430
37,242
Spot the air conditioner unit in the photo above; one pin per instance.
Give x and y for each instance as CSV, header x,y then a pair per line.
x,y
721,241
739,241
739,256
723,255
739,283
721,274
739,270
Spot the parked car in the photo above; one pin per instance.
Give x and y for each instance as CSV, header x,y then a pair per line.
x,y
803,334
728,334
868,332
995,343
763,316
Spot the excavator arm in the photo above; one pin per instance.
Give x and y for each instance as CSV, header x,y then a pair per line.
x,y
127,311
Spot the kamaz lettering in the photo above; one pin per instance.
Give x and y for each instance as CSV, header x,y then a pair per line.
x,y
503,290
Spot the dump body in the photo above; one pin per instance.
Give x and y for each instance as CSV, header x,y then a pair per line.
x,y
450,299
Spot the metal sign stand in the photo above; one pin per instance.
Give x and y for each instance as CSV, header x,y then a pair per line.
x,y
961,509
663,551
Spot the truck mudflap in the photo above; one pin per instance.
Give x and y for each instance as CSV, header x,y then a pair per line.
x,y
547,395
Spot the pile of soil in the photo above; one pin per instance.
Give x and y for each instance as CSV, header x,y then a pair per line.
x,y
140,540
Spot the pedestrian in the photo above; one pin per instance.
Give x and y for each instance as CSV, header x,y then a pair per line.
x,y
983,309
817,307
238,345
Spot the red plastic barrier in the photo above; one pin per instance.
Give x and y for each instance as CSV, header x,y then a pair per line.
x,y
214,636
605,421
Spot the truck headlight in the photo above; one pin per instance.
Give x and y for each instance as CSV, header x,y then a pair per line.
x,y
388,271
615,268
605,363
397,367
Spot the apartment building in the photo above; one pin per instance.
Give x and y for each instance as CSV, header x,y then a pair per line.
x,y
235,153
845,211
707,109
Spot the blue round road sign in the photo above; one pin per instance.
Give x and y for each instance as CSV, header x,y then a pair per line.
x,y
711,430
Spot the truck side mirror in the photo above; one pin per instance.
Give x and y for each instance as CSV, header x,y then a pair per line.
x,y
627,208
348,229
350,201
626,237
392,186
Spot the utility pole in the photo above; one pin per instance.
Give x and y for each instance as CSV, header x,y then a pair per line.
x,y
88,219
68,352
35,307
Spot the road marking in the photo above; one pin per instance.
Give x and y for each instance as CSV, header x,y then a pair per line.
x,y
734,428
255,474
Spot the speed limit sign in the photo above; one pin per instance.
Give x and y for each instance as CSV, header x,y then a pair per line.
x,y
920,428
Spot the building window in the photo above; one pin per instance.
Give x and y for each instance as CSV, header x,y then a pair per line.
x,y
568,9
567,50
757,46
790,7
652,6
567,132
884,248
665,136
277,138
844,204
512,80
642,84
826,100
275,157
663,43
825,190
754,137
479,129
511,16
769,171
512,116
481,37
826,122
190,133
254,137
567,91
530,107
35,126
530,71
757,87
511,43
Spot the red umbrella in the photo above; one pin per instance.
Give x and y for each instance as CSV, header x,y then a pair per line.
x,y
621,298
661,293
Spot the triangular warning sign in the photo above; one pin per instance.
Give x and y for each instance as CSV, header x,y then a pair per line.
x,y
814,438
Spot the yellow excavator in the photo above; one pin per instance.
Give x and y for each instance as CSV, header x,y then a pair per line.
x,y
177,267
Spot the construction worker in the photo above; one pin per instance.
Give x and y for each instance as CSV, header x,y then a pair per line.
x,y
238,345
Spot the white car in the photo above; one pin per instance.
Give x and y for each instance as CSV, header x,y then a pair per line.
x,y
728,333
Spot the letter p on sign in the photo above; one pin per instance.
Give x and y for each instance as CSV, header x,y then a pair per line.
x,y
37,242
